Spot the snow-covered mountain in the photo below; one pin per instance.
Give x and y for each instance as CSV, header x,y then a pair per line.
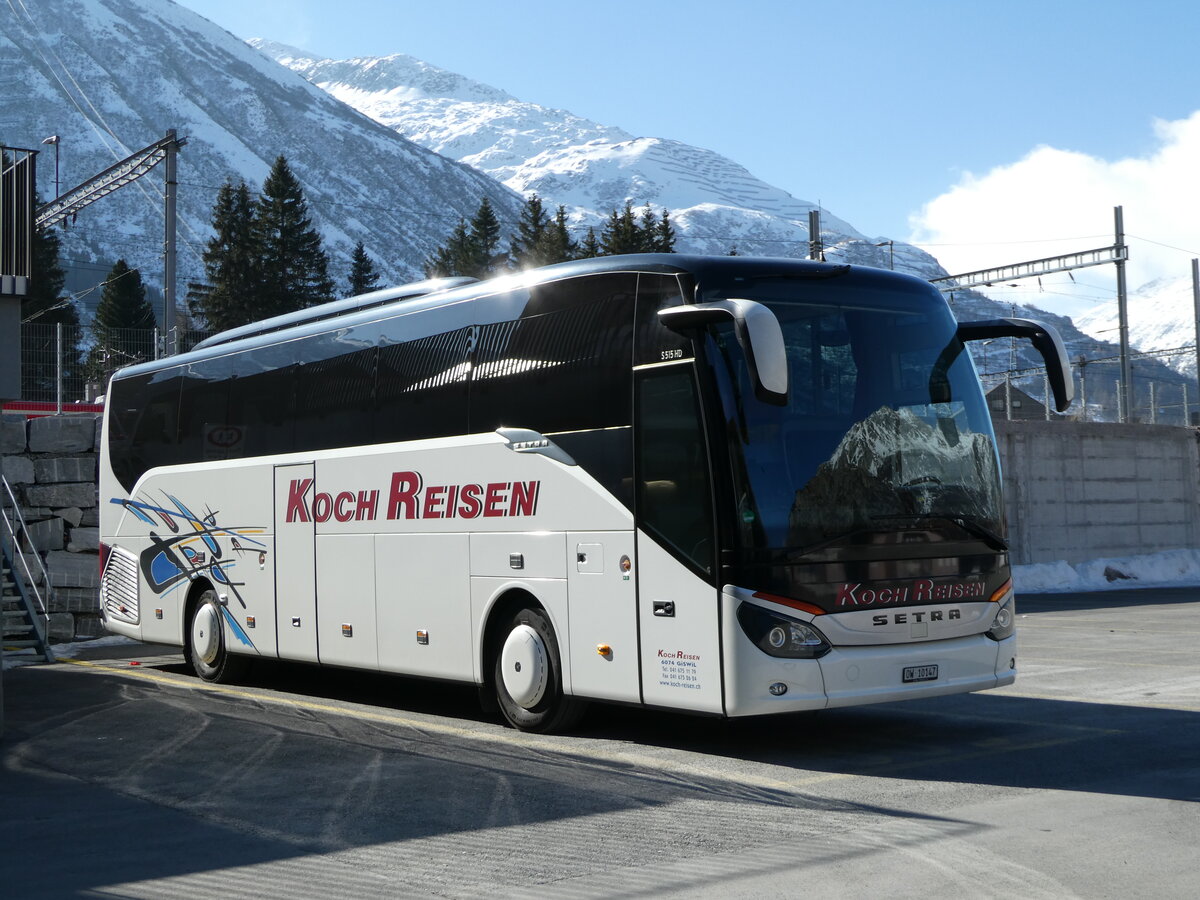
x,y
111,76
590,168
1162,317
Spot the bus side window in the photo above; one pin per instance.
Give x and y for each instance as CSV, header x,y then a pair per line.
x,y
142,432
421,386
674,495
564,365
203,407
655,342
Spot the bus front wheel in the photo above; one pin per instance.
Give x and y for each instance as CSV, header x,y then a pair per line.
x,y
527,676
206,643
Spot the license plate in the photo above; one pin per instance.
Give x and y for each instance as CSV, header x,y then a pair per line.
x,y
920,673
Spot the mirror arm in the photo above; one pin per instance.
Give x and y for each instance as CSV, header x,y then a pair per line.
x,y
757,331
1046,341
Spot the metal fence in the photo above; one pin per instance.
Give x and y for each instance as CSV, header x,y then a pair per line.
x,y
68,364
1158,398
72,364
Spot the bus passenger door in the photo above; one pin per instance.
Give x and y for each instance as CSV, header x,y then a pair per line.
x,y
295,563
678,609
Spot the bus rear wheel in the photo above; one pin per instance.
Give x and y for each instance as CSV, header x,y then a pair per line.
x,y
206,643
527,676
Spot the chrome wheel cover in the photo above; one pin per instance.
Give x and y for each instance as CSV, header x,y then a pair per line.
x,y
524,666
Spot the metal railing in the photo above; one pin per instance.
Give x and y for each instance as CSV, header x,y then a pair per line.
x,y
12,527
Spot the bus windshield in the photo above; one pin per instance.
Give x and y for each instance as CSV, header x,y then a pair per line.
x,y
879,434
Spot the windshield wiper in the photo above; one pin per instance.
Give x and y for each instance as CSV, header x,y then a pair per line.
x,y
970,526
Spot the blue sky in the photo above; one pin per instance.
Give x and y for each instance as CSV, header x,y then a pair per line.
x,y
948,122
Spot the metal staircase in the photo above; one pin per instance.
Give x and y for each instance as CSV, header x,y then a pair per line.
x,y
23,606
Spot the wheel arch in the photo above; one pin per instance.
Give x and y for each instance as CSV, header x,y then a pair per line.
x,y
506,604
195,590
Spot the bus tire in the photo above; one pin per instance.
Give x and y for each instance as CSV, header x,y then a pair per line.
x,y
206,643
527,676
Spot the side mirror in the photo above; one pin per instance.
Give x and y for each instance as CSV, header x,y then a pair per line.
x,y
757,331
1044,338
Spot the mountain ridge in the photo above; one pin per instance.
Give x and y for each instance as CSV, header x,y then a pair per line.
x,y
111,76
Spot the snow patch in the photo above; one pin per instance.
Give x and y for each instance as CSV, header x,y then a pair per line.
x,y
1170,568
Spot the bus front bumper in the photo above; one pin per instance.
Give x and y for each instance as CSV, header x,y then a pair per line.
x,y
758,684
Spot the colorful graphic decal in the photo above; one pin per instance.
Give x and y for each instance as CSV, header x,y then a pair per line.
x,y
196,545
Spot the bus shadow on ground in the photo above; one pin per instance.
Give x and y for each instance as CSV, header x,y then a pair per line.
x,y
1112,599
110,781
985,738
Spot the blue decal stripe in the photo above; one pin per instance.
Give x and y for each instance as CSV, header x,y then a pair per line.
x,y
237,630
133,508
162,569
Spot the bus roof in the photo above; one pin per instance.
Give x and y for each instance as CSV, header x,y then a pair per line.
x,y
444,291
334,309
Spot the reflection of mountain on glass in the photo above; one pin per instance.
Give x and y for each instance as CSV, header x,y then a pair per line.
x,y
896,463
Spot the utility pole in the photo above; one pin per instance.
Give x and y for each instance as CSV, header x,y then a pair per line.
x,y
1196,304
815,248
169,330
1123,318
1083,388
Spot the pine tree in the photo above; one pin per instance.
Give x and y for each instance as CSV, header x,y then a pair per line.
x,y
664,235
295,268
124,323
649,229
123,301
229,297
526,248
621,233
44,304
590,248
485,239
540,240
559,247
471,249
43,308
363,276
451,257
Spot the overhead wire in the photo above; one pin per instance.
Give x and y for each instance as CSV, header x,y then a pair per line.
x,y
78,96
95,119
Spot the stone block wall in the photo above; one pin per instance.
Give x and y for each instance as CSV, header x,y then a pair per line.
x,y
50,463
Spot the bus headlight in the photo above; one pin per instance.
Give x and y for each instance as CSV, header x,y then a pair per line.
x,y
1004,624
779,635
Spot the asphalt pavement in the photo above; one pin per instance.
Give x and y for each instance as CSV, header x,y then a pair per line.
x,y
123,775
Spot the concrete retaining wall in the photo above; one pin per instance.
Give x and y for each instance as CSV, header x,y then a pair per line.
x,y
1081,490
50,462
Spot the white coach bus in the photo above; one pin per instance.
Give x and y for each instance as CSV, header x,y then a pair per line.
x,y
722,485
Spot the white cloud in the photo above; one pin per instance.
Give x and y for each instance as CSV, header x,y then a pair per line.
x,y
1062,201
